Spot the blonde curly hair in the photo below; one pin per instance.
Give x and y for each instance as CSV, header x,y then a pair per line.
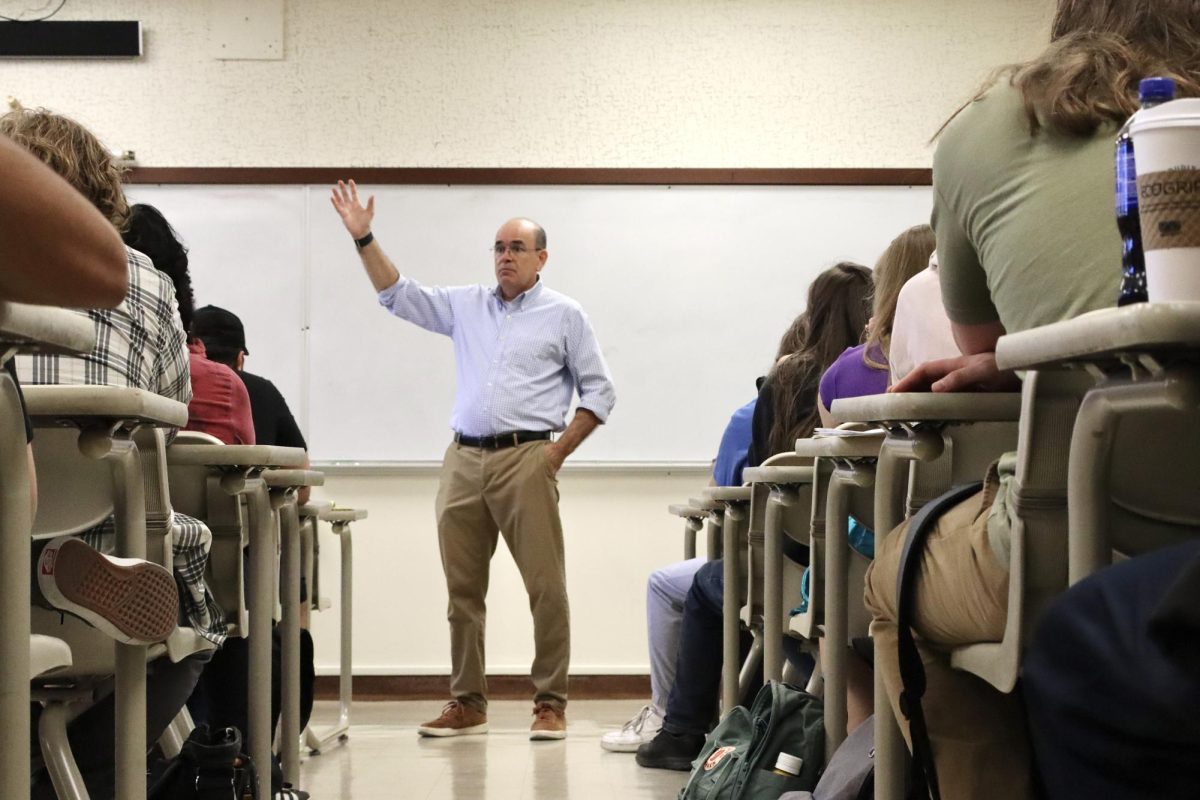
x,y
76,154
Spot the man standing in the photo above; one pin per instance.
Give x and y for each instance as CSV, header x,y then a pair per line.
x,y
521,350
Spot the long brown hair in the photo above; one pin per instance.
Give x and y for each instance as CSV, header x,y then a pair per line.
x,y
1099,50
907,255
839,304
74,153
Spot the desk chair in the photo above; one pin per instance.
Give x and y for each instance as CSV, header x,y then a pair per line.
x,y
92,468
782,487
341,520
693,523
714,524
283,485
1136,435
934,442
734,529
204,476
846,478
23,329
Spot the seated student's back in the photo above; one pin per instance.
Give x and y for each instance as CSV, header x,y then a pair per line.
x,y
1025,225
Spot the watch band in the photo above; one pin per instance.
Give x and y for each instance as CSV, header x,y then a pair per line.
x,y
364,241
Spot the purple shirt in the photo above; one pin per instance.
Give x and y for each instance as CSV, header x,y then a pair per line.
x,y
850,376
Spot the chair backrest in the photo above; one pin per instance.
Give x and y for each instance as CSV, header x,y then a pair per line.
x,y
75,491
1153,502
1038,569
197,492
797,525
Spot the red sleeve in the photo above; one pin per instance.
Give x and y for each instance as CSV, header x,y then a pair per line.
x,y
243,420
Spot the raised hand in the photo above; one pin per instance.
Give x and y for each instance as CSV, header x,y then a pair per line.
x,y
356,217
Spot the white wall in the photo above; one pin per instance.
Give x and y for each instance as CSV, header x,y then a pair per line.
x,y
541,83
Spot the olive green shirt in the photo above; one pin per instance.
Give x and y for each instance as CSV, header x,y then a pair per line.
x,y
1025,224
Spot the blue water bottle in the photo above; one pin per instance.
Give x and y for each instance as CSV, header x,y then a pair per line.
x,y
1151,92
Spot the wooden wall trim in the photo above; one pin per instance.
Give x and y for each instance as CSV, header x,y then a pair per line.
x,y
538,176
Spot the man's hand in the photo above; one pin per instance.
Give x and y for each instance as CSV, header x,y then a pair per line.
x,y
555,455
977,373
356,217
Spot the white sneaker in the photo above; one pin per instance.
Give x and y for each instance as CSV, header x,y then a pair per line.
x,y
639,730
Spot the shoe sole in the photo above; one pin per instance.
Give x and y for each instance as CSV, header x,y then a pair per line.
x,y
544,736
135,603
679,764
442,733
620,747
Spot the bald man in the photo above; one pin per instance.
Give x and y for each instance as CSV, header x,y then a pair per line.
x,y
521,351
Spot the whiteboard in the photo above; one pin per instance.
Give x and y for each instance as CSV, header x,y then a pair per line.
x,y
688,289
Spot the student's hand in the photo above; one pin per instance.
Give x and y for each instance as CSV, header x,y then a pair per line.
x,y
555,457
356,217
977,373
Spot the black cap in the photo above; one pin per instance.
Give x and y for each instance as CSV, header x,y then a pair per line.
x,y
219,329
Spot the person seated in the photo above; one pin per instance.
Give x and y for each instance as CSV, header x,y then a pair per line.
x,y
220,404
837,312
139,344
221,697
1025,237
863,369
920,332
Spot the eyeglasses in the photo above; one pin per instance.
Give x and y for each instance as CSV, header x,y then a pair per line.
x,y
516,248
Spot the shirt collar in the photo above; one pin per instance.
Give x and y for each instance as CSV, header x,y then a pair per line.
x,y
530,295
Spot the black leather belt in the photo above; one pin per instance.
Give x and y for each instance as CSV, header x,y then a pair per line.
x,y
501,440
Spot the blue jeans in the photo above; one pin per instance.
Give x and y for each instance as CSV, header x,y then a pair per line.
x,y
692,704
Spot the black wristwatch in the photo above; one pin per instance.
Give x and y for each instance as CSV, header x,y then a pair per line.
x,y
364,241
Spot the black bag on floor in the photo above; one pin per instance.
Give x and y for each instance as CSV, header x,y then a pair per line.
x,y
211,766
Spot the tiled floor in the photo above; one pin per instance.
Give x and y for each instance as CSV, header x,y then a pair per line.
x,y
386,760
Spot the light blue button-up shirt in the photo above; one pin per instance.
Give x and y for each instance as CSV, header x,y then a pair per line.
x,y
517,363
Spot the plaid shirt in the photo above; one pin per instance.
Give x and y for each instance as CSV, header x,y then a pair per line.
x,y
140,344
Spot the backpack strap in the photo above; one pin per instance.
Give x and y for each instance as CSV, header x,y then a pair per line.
x,y
912,671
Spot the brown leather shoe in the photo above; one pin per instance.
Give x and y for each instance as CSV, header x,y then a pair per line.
x,y
548,723
457,719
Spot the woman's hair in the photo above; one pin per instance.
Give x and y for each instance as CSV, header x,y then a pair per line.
x,y
907,255
73,152
1099,51
150,233
839,304
793,338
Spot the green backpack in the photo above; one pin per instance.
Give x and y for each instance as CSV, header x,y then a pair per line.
x,y
738,758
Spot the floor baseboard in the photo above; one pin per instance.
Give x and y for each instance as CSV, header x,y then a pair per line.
x,y
500,687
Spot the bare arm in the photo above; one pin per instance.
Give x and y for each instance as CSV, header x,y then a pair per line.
x,y
357,219
976,370
56,248
580,428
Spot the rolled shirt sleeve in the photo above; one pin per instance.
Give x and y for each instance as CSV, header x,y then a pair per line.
x,y
588,368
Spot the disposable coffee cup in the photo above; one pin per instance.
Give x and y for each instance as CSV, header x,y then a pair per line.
x,y
1166,146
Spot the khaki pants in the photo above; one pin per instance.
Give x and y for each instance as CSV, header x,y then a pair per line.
x,y
979,739
510,491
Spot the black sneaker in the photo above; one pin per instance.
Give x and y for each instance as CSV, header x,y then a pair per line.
x,y
670,751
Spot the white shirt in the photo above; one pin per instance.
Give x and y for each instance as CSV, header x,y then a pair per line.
x,y
921,330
